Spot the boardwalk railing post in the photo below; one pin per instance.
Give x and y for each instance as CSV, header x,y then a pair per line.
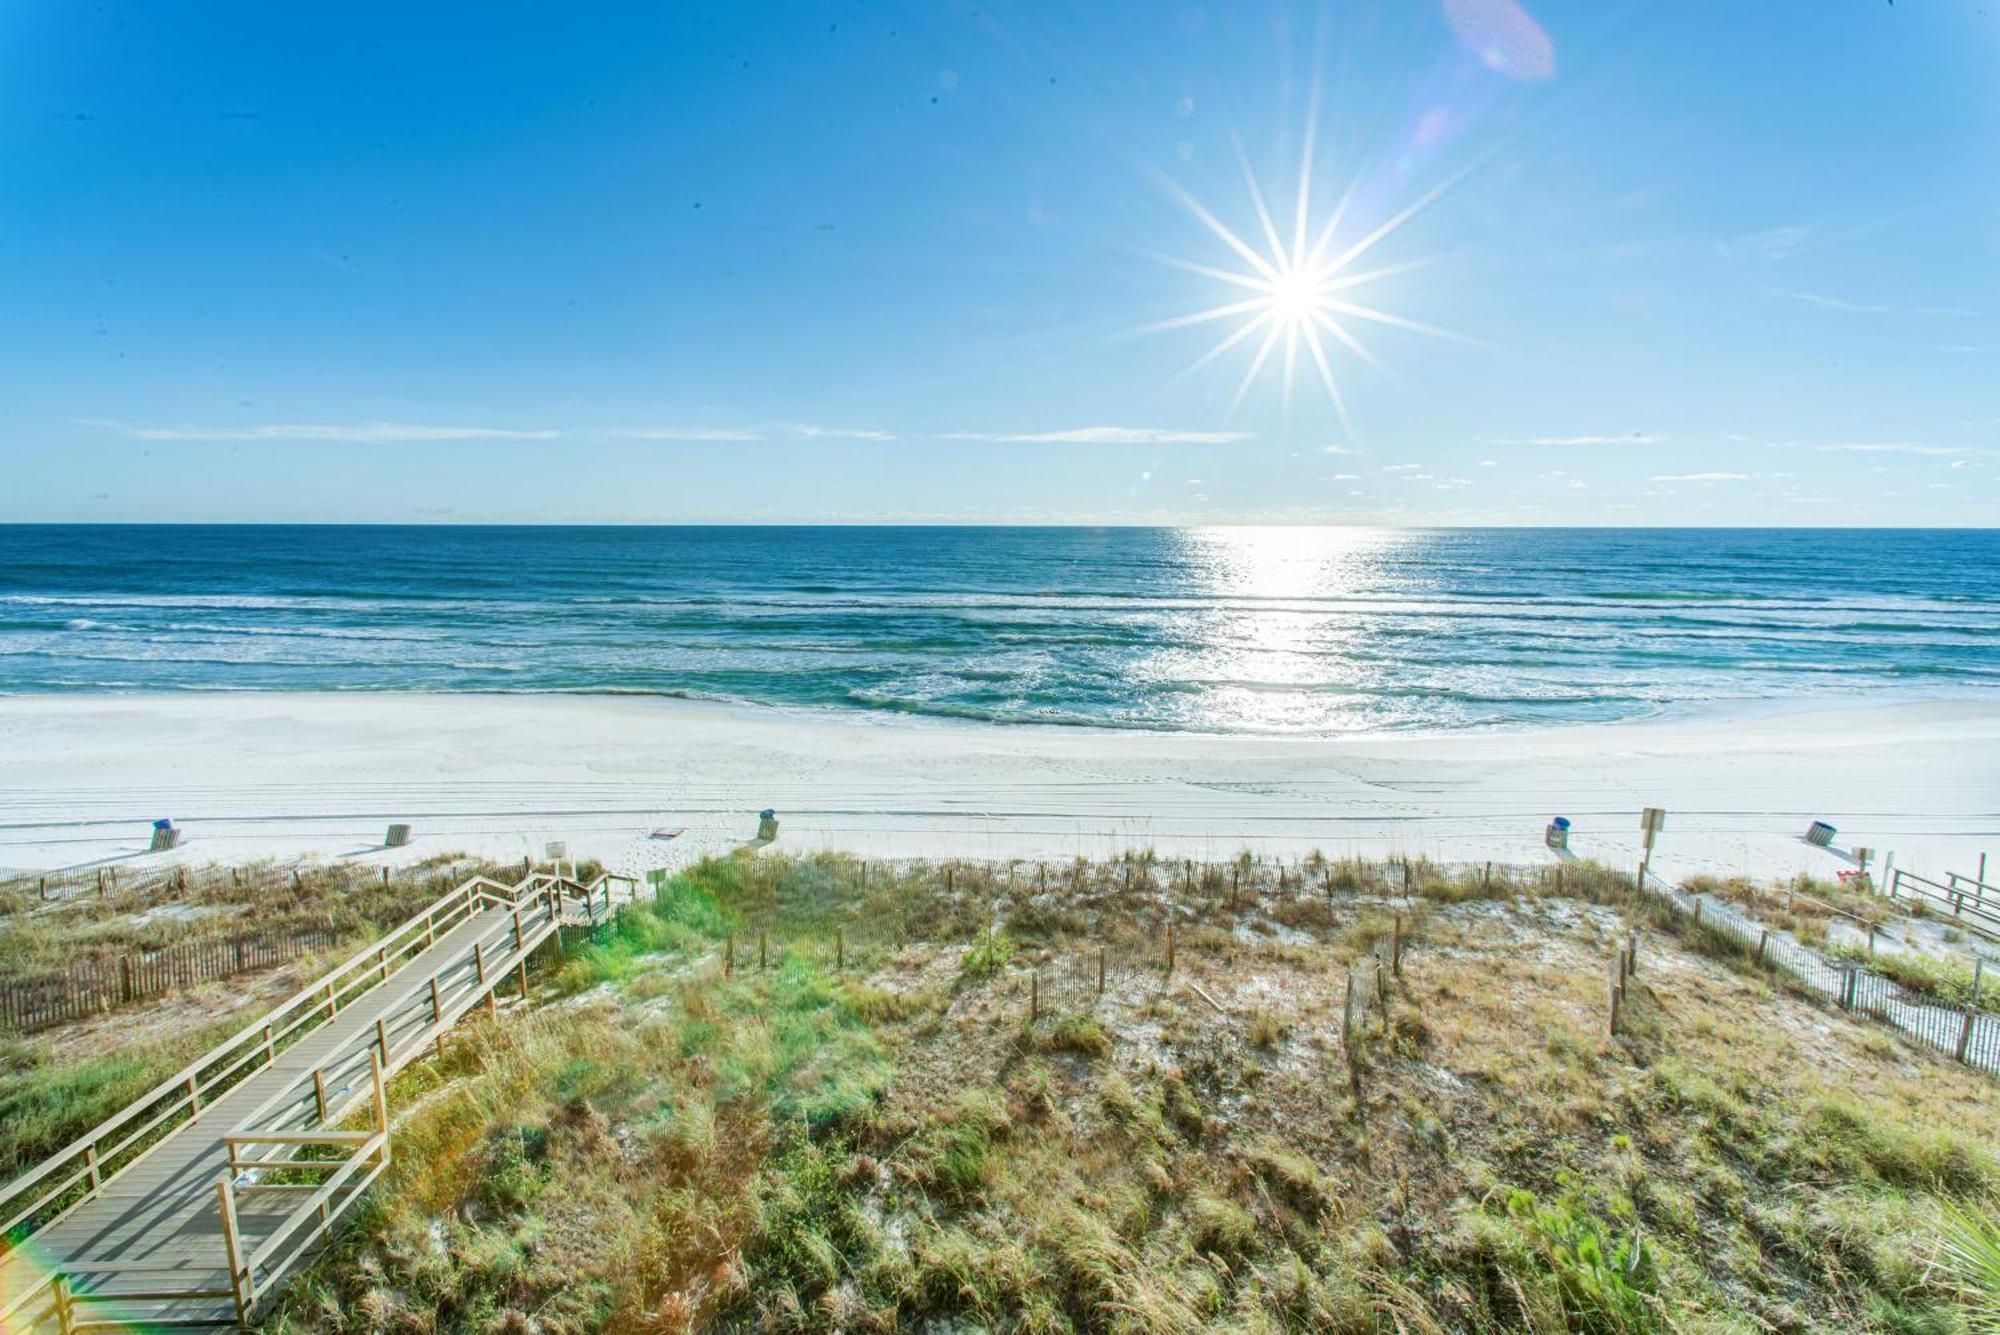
x,y
319,1092
60,1287
241,1286
381,1100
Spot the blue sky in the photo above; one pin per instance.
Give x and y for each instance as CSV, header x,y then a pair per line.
x,y
1703,263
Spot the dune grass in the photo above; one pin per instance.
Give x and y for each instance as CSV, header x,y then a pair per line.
x,y
874,1136
48,1099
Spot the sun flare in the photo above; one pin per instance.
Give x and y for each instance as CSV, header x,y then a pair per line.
x,y
1300,287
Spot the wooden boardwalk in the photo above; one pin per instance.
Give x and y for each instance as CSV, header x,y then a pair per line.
x,y
195,1202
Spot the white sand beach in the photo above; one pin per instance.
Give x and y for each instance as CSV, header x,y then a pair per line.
x,y
251,775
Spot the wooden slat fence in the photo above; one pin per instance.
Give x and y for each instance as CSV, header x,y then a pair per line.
x,y
1968,1033
93,986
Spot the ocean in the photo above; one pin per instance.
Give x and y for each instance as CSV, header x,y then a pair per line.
x,y
1292,630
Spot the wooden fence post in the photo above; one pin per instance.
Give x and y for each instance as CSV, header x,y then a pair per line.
x,y
1396,946
1347,1014
839,949
1170,945
242,1287
381,1092
1034,996
729,952
763,949
1763,939
1965,1034
1612,999
319,1092
64,1304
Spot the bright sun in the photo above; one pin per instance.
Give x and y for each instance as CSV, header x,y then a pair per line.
x,y
1300,287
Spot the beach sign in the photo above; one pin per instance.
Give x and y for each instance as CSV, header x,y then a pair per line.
x,y
1651,821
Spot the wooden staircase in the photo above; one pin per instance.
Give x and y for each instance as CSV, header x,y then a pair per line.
x,y
195,1202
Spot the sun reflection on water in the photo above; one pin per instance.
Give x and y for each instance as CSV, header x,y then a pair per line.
x,y
1274,642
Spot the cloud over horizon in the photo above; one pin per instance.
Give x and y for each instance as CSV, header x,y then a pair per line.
x,y
1106,435
363,433
1628,438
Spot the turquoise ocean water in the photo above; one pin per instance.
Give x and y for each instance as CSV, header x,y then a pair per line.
x,y
1263,630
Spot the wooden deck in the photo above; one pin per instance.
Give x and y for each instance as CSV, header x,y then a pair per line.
x,y
197,1201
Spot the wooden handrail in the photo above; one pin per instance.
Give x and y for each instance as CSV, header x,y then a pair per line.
x,y
292,1093
1949,895
254,1029
316,1001
261,1038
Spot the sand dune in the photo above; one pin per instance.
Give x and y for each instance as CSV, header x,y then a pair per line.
x,y
321,775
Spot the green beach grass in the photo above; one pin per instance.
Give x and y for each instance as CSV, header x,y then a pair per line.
x,y
873,1135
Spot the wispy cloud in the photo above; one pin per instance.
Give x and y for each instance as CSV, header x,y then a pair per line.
x,y
777,431
1627,438
1911,447
1831,303
811,432
690,434
1701,477
1106,435
1772,244
1889,447
362,433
